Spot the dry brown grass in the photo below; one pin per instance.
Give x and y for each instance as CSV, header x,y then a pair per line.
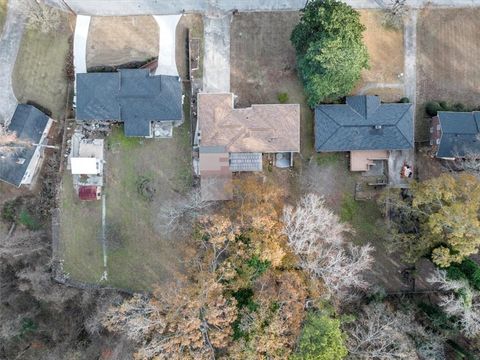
x,y
447,59
194,24
262,62
385,47
386,94
3,13
119,40
39,73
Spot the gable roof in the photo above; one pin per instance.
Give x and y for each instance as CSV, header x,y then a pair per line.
x,y
460,133
28,123
131,96
363,123
259,128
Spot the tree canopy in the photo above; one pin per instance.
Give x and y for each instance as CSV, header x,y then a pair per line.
x,y
441,217
321,339
330,50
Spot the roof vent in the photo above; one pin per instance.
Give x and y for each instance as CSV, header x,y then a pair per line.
x,y
20,161
378,127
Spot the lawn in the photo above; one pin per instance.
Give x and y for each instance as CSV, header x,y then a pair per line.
x,y
117,40
39,74
3,13
386,58
139,253
262,61
80,235
447,55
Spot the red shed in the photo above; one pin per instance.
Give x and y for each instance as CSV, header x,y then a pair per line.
x,y
88,192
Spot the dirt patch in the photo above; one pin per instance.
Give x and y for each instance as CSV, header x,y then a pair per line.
x,y
119,40
39,75
385,47
386,94
262,61
192,23
447,55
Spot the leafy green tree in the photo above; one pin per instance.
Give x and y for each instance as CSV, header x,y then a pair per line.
x,y
330,49
441,217
321,339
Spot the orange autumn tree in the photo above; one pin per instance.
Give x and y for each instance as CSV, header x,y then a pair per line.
x,y
180,321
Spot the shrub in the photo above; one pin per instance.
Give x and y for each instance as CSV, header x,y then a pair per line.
x,y
455,273
458,107
443,105
282,97
432,107
28,220
9,210
404,100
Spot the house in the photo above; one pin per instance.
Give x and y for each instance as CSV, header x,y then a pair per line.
x,y
232,140
86,164
370,130
147,105
20,159
455,135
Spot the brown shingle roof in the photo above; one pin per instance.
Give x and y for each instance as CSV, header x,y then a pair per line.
x,y
259,128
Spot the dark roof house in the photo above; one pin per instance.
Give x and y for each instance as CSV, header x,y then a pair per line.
x,y
19,159
131,96
363,123
459,134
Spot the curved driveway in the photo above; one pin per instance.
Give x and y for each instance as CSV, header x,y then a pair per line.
x,y
10,40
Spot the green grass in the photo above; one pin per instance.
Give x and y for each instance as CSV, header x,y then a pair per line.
x,y
80,230
144,256
139,254
27,220
365,218
329,158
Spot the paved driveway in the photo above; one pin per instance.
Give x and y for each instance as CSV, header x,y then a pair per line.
x,y
216,63
167,64
9,45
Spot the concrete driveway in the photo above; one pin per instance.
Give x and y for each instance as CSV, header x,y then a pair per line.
x,y
216,73
80,44
10,40
167,64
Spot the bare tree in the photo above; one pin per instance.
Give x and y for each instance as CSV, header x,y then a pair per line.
x,y
462,302
6,137
177,212
470,161
394,14
382,333
41,16
316,235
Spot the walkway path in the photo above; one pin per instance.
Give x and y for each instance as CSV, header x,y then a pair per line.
x,y
410,62
216,63
80,43
167,64
374,85
159,7
10,40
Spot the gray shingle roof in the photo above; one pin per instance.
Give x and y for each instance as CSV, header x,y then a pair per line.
x,y
460,133
131,96
29,124
363,123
